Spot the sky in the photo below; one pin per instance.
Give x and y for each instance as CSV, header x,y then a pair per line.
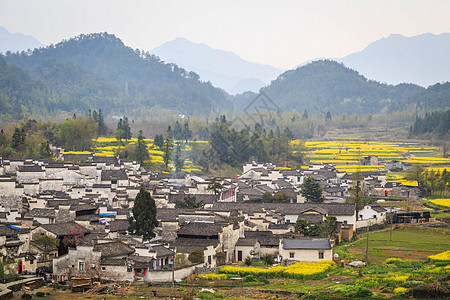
x,y
280,33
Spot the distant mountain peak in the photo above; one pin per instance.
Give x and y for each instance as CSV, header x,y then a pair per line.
x,y
422,59
17,41
222,68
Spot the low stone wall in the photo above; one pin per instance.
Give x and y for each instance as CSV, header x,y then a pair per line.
x,y
206,270
160,276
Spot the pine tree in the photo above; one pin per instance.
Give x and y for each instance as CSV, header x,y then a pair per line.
x,y
312,191
144,219
187,133
141,152
178,159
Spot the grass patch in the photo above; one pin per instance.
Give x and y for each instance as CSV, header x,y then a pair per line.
x,y
413,243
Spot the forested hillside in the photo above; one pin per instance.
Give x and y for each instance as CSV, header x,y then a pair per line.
x,y
98,70
20,93
330,86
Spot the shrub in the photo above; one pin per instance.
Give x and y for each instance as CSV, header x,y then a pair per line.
x,y
26,296
40,294
400,290
248,261
268,259
213,276
298,270
442,257
363,292
196,256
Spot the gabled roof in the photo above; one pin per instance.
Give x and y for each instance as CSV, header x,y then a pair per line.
x,y
162,251
112,249
108,175
62,229
41,213
312,244
32,168
199,229
186,245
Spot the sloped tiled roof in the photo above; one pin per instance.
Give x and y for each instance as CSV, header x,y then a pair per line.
x,y
313,244
112,249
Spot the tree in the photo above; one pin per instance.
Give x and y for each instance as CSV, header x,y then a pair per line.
x,y
178,159
312,191
144,219
220,258
18,138
177,131
168,147
189,202
46,242
102,129
196,256
44,150
305,115
126,129
141,152
248,261
159,141
215,186
357,191
301,225
268,259
187,133
281,197
328,116
73,235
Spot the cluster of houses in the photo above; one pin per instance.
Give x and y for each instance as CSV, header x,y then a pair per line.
x,y
86,207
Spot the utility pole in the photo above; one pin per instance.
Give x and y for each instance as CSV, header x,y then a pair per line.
x,y
390,238
367,244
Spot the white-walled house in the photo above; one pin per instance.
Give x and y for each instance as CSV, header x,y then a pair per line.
x,y
370,215
306,249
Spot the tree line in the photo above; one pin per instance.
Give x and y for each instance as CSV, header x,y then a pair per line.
x,y
437,122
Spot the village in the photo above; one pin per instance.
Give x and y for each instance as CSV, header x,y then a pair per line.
x,y
87,205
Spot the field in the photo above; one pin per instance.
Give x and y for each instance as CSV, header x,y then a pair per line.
x,y
414,243
395,268
345,154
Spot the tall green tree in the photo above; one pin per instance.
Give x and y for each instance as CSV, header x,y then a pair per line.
x,y
178,158
357,191
189,202
312,191
141,152
168,147
144,219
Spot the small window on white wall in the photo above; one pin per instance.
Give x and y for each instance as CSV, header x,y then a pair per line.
x,y
321,255
81,265
291,254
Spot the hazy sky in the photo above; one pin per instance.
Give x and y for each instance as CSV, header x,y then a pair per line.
x,y
279,33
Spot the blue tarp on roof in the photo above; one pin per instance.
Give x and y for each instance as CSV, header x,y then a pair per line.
x,y
13,227
108,214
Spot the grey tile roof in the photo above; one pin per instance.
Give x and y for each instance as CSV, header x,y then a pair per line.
x,y
41,213
162,251
186,245
199,229
62,229
31,168
112,249
108,175
113,262
313,244
334,209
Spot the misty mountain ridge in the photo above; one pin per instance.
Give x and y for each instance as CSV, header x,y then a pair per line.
x,y
223,69
99,71
17,42
421,59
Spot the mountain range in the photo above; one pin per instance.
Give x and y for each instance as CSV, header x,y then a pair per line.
x,y
222,68
16,41
98,71
421,59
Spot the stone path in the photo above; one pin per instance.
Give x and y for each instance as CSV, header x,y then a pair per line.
x,y
4,287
